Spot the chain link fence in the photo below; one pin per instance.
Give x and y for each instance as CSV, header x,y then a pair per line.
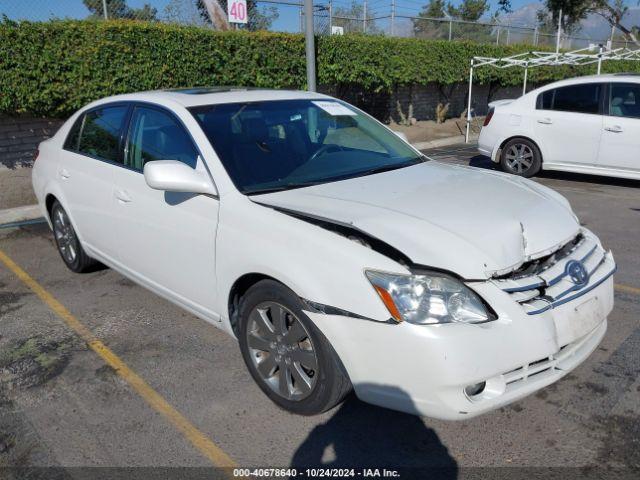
x,y
400,18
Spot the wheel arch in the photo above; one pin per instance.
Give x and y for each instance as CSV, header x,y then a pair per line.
x,y
498,153
238,289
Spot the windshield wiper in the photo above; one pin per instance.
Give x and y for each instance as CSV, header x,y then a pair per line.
x,y
397,166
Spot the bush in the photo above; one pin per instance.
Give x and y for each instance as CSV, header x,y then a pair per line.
x,y
54,68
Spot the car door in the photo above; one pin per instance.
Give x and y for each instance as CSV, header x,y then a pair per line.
x,y
620,143
568,123
92,152
167,239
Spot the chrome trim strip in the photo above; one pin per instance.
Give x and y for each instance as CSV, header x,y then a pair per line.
x,y
573,297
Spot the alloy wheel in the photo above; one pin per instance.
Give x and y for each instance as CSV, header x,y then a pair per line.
x,y
282,351
65,236
519,157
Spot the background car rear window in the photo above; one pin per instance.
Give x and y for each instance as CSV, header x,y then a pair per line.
x,y
625,100
583,98
100,134
156,135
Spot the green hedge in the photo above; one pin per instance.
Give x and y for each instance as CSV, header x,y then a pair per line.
x,y
53,68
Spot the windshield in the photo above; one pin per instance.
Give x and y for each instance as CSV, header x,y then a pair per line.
x,y
277,145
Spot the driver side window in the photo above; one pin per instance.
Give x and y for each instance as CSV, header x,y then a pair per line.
x,y
156,135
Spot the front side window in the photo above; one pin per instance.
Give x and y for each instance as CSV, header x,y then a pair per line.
x,y
156,135
624,100
100,133
583,98
278,145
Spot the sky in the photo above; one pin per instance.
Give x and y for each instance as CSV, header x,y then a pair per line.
x,y
288,20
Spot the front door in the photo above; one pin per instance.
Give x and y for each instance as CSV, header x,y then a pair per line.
x,y
620,145
167,239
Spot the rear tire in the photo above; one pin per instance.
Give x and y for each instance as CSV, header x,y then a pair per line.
x,y
69,247
286,354
521,157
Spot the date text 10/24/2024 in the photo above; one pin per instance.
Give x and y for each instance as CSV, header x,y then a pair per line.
x,y
316,472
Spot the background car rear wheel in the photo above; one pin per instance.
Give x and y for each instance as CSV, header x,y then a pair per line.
x,y
68,243
521,157
287,356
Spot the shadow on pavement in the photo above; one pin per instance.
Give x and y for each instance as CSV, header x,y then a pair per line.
x,y
360,435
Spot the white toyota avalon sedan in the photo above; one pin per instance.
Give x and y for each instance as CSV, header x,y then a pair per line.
x,y
584,125
339,256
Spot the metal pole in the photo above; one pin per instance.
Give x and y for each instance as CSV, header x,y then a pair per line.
x,y
498,37
524,84
600,60
450,28
104,9
466,135
508,34
301,13
559,31
310,46
330,17
364,17
393,16
535,36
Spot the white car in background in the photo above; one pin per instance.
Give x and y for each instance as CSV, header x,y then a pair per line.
x,y
584,125
337,254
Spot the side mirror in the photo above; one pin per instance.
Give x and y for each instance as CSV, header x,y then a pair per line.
x,y
402,135
174,176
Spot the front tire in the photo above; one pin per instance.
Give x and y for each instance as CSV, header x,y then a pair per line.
x,y
69,247
287,356
521,157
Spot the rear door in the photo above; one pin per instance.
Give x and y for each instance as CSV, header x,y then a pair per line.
x,y
568,123
92,152
167,239
620,145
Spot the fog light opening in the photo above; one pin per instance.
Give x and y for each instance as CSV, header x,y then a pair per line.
x,y
472,391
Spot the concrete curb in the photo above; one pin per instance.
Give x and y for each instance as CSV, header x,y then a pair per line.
x,y
20,214
444,142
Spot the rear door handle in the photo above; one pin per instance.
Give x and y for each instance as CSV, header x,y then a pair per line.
x,y
614,129
123,196
545,121
64,173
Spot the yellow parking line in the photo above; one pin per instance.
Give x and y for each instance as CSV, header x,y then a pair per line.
x,y
627,289
198,439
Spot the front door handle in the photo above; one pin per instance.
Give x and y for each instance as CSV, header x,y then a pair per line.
x,y
123,196
64,173
545,121
614,129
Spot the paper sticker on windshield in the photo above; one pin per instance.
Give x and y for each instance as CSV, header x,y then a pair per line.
x,y
334,109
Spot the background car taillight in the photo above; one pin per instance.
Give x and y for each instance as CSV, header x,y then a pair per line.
x,y
487,119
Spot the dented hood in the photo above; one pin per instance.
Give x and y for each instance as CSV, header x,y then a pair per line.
x,y
475,223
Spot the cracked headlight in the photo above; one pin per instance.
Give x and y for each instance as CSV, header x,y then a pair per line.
x,y
428,298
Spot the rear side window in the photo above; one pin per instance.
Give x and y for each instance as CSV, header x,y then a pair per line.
x,y
156,135
624,100
583,98
71,143
100,133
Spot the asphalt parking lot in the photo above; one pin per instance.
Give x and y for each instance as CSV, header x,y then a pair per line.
x,y
63,405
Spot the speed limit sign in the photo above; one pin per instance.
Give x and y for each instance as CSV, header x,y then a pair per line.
x,y
237,11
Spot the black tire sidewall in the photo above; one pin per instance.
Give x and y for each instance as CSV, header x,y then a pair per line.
x,y
535,165
322,395
76,265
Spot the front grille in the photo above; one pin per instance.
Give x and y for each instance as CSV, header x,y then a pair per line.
x,y
543,284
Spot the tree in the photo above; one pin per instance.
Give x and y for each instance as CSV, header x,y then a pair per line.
x,y
352,19
258,18
469,10
120,9
425,28
574,11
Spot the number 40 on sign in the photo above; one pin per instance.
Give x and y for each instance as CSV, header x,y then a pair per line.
x,y
237,11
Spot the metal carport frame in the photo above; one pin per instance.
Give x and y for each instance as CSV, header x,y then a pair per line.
x,y
528,60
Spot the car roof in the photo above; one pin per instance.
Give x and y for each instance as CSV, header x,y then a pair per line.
x,y
607,77
196,96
